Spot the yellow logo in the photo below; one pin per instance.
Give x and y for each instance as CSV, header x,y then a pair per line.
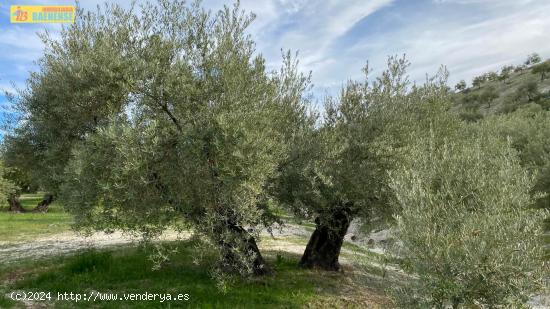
x,y
42,14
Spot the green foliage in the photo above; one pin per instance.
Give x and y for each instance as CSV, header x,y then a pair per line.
x,y
509,105
507,69
505,73
471,115
489,95
544,100
467,230
543,69
478,81
348,156
143,121
175,123
21,179
81,80
504,93
7,187
492,76
502,96
529,131
471,100
532,59
461,85
528,90
7,302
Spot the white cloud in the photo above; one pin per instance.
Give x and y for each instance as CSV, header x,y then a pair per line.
x,y
17,40
504,32
320,23
469,50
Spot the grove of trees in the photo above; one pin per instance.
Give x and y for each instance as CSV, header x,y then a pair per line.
x,y
146,121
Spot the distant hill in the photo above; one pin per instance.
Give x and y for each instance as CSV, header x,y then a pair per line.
x,y
504,92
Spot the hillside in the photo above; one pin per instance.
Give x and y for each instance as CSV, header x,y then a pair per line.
x,y
493,94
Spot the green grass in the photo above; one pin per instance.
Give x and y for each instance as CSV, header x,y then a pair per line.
x,y
6,302
128,270
359,249
25,226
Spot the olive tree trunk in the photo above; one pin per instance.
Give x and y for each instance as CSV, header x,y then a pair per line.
x,y
323,248
15,204
44,204
242,245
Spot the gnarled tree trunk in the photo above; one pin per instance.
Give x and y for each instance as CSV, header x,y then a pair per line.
x,y
323,248
15,204
44,204
242,242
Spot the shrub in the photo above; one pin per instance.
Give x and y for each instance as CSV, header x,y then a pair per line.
x,y
471,115
466,229
528,128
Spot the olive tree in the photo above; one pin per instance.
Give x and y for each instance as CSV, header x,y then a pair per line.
x,y
533,59
505,73
543,69
461,86
340,170
8,190
177,124
527,90
467,230
19,160
491,76
489,95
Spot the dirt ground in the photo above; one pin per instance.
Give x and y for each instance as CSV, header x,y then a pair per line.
x,y
283,239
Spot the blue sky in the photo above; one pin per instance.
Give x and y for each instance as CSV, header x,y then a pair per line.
x,y
335,38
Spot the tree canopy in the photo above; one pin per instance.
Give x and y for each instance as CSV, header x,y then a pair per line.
x,y
142,122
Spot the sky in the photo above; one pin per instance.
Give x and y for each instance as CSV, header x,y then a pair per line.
x,y
336,38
